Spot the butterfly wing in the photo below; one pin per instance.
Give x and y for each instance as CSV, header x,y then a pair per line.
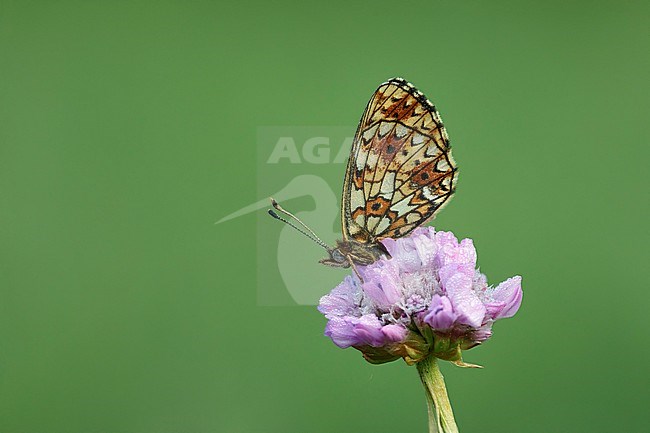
x,y
400,172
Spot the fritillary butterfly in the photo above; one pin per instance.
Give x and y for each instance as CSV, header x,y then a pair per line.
x,y
400,173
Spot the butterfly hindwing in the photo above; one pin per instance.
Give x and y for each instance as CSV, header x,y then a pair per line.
x,y
400,171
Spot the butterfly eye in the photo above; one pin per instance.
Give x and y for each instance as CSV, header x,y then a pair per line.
x,y
337,256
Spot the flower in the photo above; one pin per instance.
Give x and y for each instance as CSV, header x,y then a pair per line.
x,y
428,298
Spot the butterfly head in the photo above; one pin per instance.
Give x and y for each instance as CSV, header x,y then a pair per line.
x,y
336,259
347,253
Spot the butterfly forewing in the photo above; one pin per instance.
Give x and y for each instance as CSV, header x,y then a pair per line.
x,y
400,171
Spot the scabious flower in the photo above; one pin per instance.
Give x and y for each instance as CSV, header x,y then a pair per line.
x,y
427,299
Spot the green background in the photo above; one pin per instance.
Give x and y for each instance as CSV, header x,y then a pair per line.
x,y
128,128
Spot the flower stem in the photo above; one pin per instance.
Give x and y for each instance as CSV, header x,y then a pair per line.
x,y
441,417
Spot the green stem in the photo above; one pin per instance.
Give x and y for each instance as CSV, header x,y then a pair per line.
x,y
441,417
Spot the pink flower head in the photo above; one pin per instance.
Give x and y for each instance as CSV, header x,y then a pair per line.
x,y
428,298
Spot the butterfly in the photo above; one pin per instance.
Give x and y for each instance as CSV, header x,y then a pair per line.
x,y
399,175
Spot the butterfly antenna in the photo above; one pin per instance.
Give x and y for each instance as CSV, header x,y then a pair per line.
x,y
289,223
314,236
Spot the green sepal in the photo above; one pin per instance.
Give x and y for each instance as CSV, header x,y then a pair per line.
x,y
414,349
462,364
376,355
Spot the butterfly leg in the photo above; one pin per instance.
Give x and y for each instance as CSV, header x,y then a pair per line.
x,y
354,268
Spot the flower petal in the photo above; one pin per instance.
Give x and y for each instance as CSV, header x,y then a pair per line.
x,y
482,333
395,333
508,293
424,240
383,283
450,251
477,336
457,283
404,253
368,330
341,331
440,315
343,300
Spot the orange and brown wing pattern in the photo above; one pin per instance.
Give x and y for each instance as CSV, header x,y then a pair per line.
x,y
400,171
